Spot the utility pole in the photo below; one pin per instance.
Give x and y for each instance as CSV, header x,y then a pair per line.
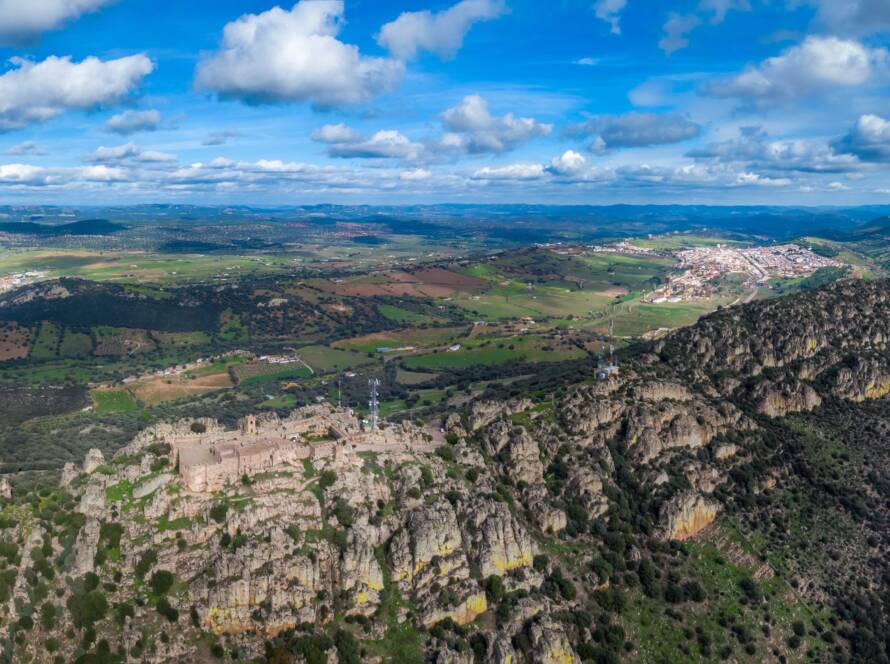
x,y
373,403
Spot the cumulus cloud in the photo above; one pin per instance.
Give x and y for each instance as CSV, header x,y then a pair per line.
x,y
441,33
610,12
676,31
129,122
633,130
755,150
39,91
869,139
128,151
295,56
568,163
336,133
471,128
22,22
26,148
817,64
344,142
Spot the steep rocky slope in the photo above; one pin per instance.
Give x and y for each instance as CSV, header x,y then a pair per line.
x,y
671,514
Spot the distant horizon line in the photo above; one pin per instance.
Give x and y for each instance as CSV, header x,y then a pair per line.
x,y
294,206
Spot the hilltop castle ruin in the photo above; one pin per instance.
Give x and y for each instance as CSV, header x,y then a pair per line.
x,y
207,461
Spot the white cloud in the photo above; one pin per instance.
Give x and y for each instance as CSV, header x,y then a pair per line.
x,y
758,180
220,137
869,139
416,175
281,56
510,172
719,8
346,143
26,148
38,91
838,186
129,122
587,62
853,17
568,163
472,128
25,175
128,151
755,150
441,33
816,65
610,12
676,31
22,21
635,130
336,133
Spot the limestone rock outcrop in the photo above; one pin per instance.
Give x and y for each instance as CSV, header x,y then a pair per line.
x,y
687,515
93,460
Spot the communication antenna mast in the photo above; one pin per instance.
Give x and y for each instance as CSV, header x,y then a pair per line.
x,y
611,343
339,391
373,403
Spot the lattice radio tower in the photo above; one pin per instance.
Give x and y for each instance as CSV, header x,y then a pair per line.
x,y
373,403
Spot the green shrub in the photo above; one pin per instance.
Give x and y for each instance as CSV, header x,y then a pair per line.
x,y
218,512
146,560
161,582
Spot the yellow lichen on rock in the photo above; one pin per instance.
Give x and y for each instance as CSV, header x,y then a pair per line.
x,y
878,389
514,563
464,613
558,657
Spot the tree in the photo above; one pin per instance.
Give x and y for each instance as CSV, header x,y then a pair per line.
x,y
347,647
161,582
327,479
87,608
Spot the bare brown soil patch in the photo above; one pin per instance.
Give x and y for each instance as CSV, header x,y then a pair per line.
x,y
151,391
15,341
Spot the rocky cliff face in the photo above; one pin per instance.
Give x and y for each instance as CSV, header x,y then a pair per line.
x,y
494,548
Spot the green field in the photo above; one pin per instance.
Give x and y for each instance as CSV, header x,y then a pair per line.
x,y
47,342
286,372
181,339
75,344
515,301
113,401
434,336
635,319
133,267
491,352
324,359
401,315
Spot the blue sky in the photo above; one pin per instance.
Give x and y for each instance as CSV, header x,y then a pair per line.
x,y
600,101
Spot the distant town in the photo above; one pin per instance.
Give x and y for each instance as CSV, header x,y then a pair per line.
x,y
701,267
